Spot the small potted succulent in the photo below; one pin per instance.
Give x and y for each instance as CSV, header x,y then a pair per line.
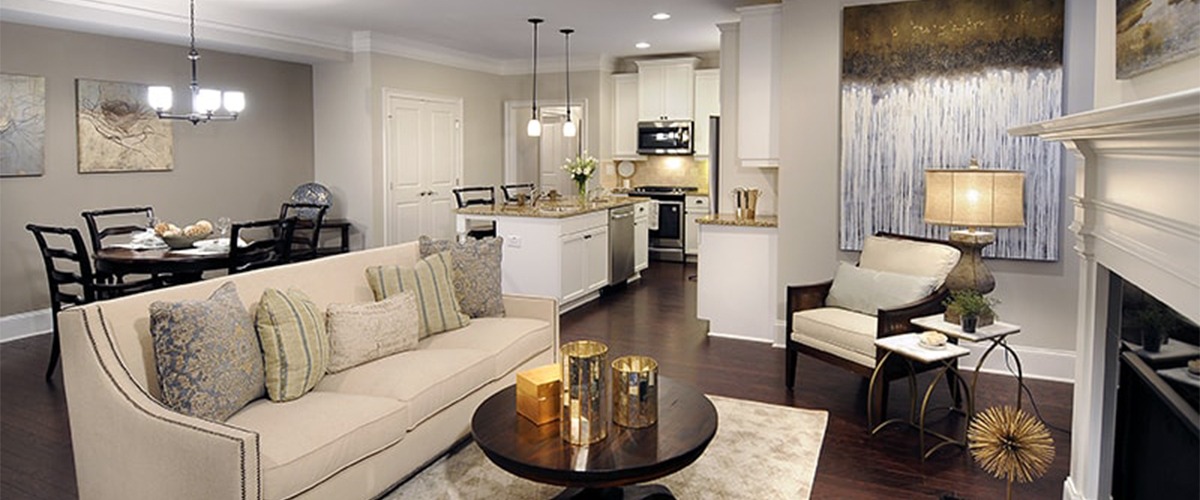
x,y
1157,324
971,308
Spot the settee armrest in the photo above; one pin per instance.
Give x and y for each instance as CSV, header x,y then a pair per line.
x,y
804,297
534,307
127,444
896,320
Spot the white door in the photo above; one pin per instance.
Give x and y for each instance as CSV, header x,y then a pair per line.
x,y
423,157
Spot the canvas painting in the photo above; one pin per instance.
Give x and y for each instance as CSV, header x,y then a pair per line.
x,y
1154,33
935,83
118,132
22,125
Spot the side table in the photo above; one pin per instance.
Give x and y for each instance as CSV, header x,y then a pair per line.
x,y
908,346
997,333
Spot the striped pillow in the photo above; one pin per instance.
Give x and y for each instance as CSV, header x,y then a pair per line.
x,y
295,347
430,280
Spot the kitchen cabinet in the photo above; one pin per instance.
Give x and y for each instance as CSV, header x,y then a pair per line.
x,y
708,103
641,236
758,86
695,207
625,116
584,263
666,89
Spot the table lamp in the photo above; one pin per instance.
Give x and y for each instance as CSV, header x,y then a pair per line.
x,y
974,198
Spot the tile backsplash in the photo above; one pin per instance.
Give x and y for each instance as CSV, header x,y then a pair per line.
x,y
660,171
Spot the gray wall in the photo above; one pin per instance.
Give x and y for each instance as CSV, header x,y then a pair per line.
x,y
241,169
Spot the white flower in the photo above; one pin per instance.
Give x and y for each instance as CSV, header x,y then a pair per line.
x,y
581,167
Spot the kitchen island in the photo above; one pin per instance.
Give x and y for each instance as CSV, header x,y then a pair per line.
x,y
562,250
736,289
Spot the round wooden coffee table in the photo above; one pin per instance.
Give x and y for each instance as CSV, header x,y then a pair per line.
x,y
687,422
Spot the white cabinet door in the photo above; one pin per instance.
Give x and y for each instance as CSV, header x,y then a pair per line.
x,y
651,80
574,266
666,89
708,103
678,91
641,243
596,272
758,86
695,208
625,116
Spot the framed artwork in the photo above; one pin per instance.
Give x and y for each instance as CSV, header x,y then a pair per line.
x,y
933,84
118,132
22,125
1155,33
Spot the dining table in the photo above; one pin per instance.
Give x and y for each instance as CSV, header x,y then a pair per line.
x,y
186,265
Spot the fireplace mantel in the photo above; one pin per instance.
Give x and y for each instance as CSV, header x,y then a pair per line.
x,y
1136,214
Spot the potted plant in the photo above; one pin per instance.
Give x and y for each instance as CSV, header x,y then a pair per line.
x,y
971,309
1157,324
581,169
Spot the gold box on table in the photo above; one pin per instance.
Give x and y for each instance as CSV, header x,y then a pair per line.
x,y
538,393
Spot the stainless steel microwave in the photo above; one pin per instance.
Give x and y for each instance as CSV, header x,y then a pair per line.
x,y
665,138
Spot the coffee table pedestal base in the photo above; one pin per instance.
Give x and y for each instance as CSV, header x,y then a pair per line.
x,y
632,492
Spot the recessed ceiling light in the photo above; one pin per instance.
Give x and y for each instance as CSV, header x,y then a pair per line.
x,y
642,45
661,16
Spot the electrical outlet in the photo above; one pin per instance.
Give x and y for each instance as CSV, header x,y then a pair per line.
x,y
513,241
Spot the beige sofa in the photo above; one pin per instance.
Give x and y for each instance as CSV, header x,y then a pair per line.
x,y
355,435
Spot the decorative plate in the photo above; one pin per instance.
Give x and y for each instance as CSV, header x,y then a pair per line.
x,y
931,346
310,192
625,169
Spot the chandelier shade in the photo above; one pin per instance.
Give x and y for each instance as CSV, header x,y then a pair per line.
x,y
206,103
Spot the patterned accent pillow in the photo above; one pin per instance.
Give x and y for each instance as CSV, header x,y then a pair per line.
x,y
208,360
295,346
430,280
476,273
360,333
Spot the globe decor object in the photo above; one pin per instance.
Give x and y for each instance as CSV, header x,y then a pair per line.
x,y
1010,444
635,391
584,392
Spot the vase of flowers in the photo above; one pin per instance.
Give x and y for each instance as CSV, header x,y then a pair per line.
x,y
581,169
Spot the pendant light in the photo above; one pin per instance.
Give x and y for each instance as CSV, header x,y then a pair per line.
x,y
569,127
205,102
534,127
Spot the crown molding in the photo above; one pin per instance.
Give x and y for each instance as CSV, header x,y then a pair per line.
x,y
380,43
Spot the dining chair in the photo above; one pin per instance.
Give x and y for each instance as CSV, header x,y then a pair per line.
x,y
112,223
512,190
268,243
472,196
306,236
70,277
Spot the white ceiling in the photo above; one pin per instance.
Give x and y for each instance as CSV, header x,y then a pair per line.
x,y
480,30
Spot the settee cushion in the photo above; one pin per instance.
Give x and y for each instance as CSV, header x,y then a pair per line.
x,y
844,333
206,354
364,332
295,346
510,341
304,441
428,380
868,290
917,258
476,273
429,278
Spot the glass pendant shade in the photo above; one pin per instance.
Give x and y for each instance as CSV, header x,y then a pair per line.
x,y
160,98
207,101
569,129
534,128
235,102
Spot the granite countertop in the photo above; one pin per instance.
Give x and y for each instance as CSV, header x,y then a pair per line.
x,y
769,221
546,209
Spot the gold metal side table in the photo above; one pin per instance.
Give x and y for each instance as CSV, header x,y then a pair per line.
x,y
997,333
909,347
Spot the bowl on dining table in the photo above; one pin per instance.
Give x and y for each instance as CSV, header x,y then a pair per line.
x,y
181,241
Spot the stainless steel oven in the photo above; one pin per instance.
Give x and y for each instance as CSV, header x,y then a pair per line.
x,y
667,236
665,138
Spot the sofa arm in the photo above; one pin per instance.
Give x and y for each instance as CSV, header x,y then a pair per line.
x,y
534,307
897,320
803,297
129,446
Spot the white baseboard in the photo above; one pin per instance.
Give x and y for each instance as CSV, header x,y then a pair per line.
x,y
1069,492
738,337
26,324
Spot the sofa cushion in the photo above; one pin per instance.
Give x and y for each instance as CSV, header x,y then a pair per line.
x,y
917,258
476,273
302,442
295,346
509,341
846,334
427,379
364,332
429,278
867,290
207,355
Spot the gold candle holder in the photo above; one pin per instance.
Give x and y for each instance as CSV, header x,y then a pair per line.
x,y
584,370
635,391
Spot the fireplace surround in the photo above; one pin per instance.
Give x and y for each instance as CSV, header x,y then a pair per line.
x,y
1137,214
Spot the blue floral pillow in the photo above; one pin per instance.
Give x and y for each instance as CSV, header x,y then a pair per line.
x,y
207,354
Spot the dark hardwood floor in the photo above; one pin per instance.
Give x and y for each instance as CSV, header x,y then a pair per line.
x,y
655,317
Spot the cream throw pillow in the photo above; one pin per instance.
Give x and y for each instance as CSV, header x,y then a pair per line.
x,y
295,347
429,278
361,333
867,290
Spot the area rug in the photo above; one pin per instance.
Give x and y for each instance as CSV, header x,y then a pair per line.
x,y
760,451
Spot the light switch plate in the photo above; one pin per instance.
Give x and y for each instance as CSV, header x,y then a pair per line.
x,y
513,241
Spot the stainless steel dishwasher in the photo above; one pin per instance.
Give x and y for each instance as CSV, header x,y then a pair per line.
x,y
620,244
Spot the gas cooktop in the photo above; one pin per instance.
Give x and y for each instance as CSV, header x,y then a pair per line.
x,y
651,190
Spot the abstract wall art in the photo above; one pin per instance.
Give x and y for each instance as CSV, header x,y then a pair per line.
x,y
1154,33
935,83
22,125
118,132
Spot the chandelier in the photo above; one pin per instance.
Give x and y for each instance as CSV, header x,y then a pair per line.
x,y
205,102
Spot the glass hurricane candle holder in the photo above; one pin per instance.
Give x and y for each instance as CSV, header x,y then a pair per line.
x,y
635,391
584,384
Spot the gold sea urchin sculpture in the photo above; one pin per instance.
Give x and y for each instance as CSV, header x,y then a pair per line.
x,y
1010,444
